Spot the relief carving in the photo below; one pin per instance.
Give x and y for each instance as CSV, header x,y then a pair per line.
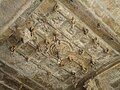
x,y
61,48
85,31
78,56
95,42
106,50
90,85
41,24
43,46
56,19
72,22
22,36
70,28
55,8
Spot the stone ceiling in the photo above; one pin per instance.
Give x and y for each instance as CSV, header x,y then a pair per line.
x,y
59,45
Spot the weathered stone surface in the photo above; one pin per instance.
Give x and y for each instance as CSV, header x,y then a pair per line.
x,y
71,45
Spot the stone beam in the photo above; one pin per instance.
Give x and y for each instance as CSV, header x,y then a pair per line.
x,y
26,82
100,70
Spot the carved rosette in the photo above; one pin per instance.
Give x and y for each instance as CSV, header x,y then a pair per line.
x,y
64,48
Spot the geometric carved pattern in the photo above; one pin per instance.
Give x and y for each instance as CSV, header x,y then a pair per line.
x,y
64,48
